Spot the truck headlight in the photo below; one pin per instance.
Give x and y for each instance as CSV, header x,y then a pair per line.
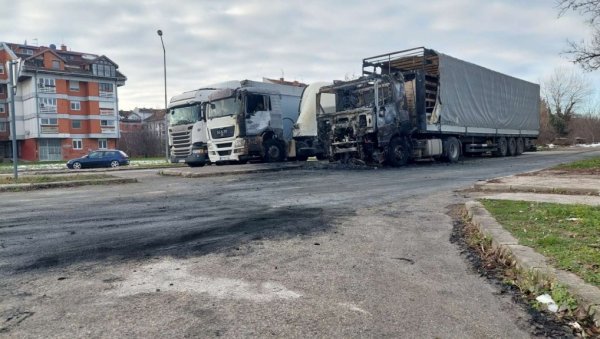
x,y
239,143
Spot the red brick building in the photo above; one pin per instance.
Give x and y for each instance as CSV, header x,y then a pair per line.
x,y
66,102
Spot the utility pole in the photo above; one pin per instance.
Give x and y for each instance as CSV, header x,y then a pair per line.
x,y
160,33
13,119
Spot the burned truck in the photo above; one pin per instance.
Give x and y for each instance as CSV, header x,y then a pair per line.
x,y
419,103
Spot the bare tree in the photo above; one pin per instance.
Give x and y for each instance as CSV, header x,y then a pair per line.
x,y
585,54
565,91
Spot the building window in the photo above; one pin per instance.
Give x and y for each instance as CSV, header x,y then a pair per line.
x,y
102,144
49,121
106,87
27,51
55,64
46,85
47,105
74,85
75,105
75,123
77,144
107,123
1,89
3,126
2,108
104,68
1,69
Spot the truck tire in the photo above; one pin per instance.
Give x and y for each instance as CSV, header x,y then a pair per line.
x,y
397,152
301,157
273,151
502,147
196,164
520,146
452,150
512,147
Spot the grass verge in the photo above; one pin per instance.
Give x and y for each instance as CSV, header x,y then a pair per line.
x,y
33,179
569,235
586,164
499,265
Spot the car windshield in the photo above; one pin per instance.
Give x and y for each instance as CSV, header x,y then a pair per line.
x,y
224,107
185,114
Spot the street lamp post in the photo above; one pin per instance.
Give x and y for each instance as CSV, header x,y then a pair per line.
x,y
160,33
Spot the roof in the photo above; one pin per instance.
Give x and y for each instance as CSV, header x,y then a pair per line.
x,y
76,63
159,115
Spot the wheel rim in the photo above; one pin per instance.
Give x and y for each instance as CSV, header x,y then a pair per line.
x,y
453,151
77,165
114,164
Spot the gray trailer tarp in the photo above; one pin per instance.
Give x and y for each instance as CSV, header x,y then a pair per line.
x,y
474,96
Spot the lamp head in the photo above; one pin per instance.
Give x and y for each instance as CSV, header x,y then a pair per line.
x,y
159,32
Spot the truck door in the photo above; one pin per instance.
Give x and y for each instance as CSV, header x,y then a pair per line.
x,y
257,113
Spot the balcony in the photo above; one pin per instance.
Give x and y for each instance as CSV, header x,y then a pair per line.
x,y
49,129
47,109
104,94
108,129
107,111
47,89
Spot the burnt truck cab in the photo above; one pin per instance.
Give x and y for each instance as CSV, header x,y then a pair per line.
x,y
370,116
245,123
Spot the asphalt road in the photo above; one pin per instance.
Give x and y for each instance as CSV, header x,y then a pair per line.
x,y
314,252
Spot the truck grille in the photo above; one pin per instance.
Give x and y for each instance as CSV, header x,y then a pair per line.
x,y
224,132
182,141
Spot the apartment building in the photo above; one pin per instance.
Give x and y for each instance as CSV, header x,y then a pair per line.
x,y
66,102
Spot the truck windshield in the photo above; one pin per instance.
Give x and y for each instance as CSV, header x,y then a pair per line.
x,y
185,114
224,107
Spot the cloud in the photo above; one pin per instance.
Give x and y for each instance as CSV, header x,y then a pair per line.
x,y
310,40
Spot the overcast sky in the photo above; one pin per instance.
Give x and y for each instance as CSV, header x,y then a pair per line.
x,y
305,40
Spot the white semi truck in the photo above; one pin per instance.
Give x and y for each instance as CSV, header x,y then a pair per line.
x,y
187,125
251,121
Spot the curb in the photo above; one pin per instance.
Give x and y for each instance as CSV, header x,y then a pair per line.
x,y
494,187
57,184
526,258
175,173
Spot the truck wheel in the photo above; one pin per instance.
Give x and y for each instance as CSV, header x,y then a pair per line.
x,y
520,146
502,147
273,151
195,164
512,147
301,157
397,153
452,150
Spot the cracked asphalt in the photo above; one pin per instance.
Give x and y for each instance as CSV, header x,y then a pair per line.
x,y
302,253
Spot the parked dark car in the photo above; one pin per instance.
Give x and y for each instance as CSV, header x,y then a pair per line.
x,y
101,158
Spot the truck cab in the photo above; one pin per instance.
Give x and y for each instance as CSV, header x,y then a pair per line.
x,y
370,121
252,121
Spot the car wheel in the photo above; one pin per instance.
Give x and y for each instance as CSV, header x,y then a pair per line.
x,y
114,164
76,165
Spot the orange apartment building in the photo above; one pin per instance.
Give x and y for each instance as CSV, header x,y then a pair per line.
x,y
66,102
